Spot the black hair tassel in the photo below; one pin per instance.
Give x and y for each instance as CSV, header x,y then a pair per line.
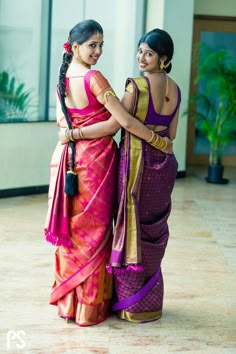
x,y
71,186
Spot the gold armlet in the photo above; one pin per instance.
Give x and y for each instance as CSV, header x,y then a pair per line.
x,y
107,94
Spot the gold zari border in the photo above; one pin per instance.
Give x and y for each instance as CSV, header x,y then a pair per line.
x,y
139,317
136,164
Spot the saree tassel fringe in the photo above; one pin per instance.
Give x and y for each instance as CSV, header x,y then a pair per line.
x,y
124,269
61,240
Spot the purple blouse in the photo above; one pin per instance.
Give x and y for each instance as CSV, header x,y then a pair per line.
x,y
160,119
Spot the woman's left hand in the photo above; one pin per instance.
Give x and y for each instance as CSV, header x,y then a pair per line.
x,y
62,137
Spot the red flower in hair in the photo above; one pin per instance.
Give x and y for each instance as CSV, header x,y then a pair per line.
x,y
67,48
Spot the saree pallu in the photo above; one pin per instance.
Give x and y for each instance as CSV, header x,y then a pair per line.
x,y
139,292
83,289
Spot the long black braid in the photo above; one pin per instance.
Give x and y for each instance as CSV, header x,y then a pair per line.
x,y
71,186
80,33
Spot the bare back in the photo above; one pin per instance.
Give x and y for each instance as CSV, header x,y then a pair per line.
x,y
76,93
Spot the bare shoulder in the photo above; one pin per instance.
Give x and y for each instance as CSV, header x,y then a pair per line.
x,y
173,87
171,81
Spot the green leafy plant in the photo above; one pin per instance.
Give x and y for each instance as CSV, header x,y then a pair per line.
x,y
14,99
214,107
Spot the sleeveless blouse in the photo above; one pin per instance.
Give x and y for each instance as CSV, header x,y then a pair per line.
x,y
157,118
93,104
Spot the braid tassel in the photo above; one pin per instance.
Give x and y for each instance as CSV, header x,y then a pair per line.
x,y
71,185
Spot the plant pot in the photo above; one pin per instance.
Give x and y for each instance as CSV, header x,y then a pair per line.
x,y
215,174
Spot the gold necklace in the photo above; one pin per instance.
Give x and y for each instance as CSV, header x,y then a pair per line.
x,y
156,72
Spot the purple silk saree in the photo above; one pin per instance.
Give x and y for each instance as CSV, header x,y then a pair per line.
x,y
145,182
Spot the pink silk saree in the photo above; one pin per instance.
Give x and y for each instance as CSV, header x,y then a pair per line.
x,y
83,288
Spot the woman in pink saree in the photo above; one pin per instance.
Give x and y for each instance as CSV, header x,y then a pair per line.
x,y
80,215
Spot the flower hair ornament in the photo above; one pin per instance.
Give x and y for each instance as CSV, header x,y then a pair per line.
x,y
67,47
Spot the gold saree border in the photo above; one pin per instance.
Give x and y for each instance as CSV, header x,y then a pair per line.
x,y
139,317
141,99
89,315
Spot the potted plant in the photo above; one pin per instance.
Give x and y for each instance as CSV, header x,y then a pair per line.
x,y
214,106
14,100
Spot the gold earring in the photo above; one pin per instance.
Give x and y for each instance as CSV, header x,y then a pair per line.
x,y
162,66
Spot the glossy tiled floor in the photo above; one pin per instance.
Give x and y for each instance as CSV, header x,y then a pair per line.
x,y
199,271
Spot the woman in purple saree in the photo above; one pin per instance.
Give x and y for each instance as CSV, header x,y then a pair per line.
x,y
145,182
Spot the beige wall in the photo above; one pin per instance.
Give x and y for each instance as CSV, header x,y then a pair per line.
x,y
26,150
215,7
166,15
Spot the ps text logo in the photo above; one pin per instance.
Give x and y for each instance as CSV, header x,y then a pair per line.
x,y
15,339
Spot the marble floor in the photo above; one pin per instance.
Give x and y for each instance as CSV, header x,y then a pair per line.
x,y
199,272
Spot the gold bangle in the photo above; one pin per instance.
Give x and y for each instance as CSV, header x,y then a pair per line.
x,y
72,136
156,141
69,134
81,136
152,138
159,143
165,144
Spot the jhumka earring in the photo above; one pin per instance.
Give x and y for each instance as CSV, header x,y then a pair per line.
x,y
162,65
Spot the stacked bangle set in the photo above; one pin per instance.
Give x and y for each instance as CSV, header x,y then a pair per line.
x,y
157,141
69,134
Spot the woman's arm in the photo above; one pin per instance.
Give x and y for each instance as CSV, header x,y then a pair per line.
x,y
100,129
120,117
93,131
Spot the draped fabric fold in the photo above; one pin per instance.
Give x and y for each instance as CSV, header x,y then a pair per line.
x,y
126,250
57,231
